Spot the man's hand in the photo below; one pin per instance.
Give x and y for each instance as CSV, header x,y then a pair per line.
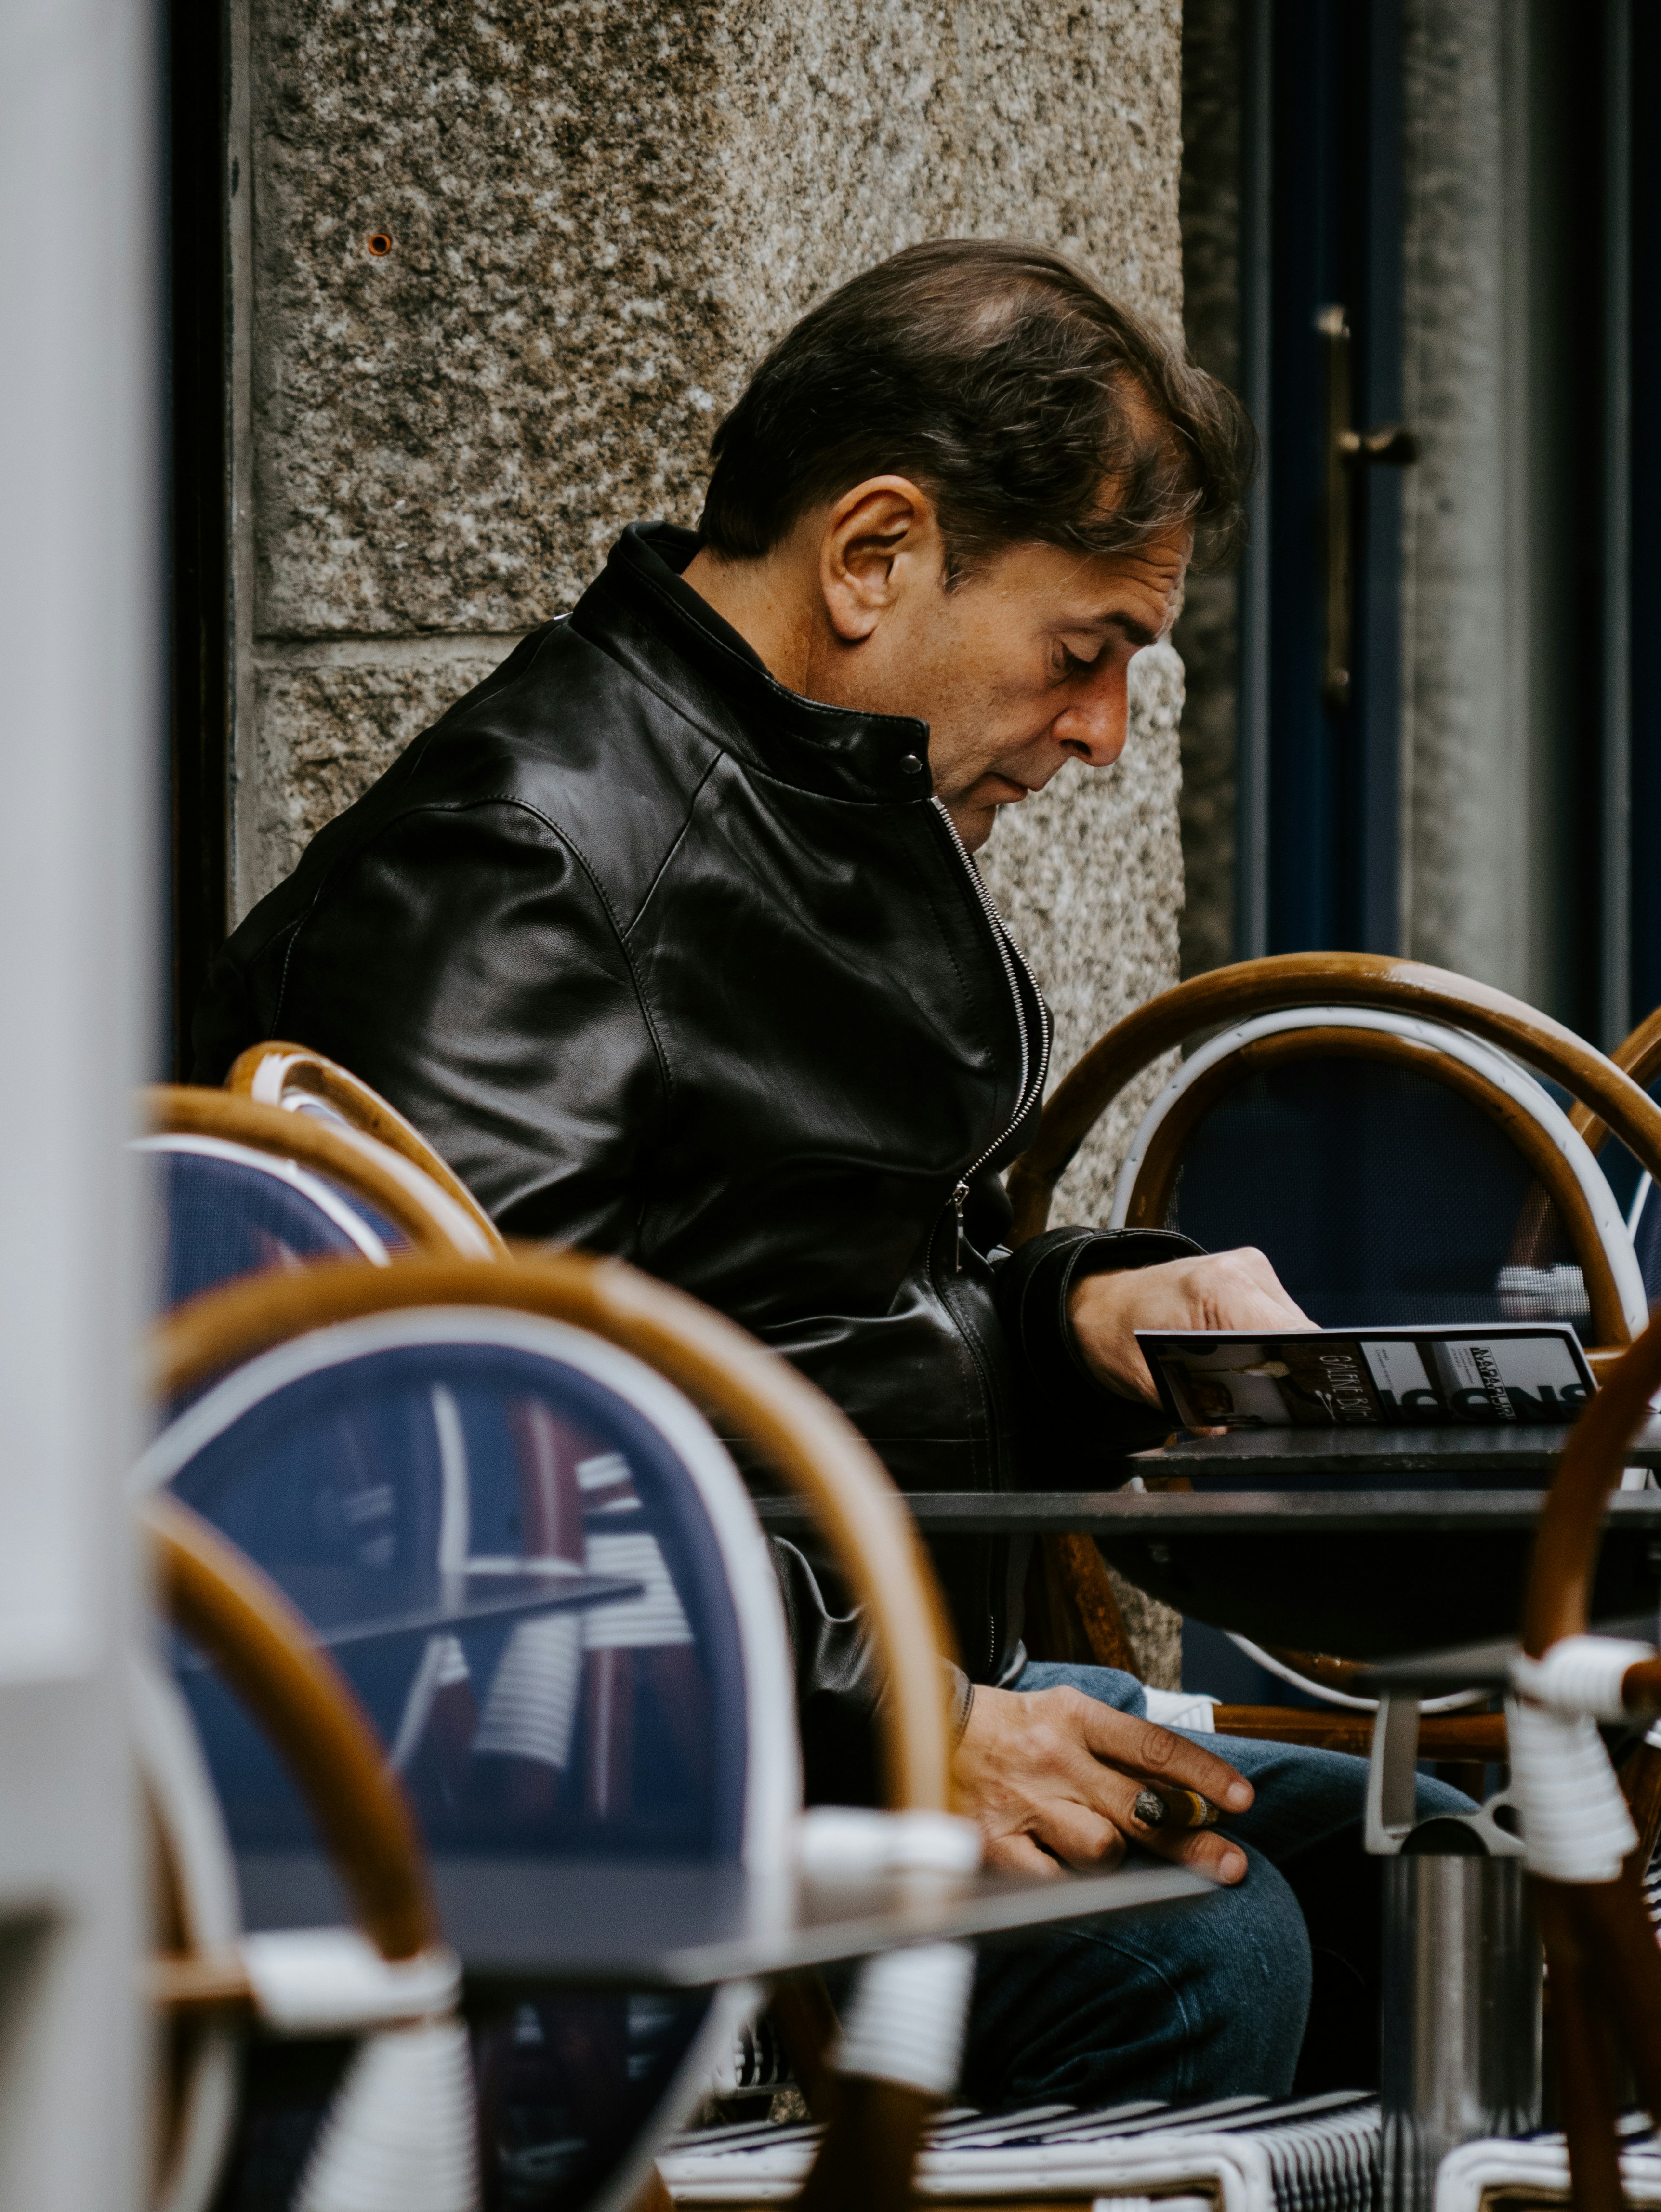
x,y
1058,1769
1219,1290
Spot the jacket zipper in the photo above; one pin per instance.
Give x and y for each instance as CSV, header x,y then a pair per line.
x,y
1032,1080
1008,953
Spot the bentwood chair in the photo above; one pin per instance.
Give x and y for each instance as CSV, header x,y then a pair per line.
x,y
431,1460
242,1187
1586,1862
400,2127
1639,1056
300,1081
1364,1122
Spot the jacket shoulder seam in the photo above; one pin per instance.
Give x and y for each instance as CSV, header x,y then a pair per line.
x,y
464,806
512,798
678,840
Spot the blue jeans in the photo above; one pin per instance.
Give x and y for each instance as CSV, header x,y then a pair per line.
x,y
1210,1996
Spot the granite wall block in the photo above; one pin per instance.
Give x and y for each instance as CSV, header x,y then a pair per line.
x,y
597,219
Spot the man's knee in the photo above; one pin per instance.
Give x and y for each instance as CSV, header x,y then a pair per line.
x,y
1253,1972
1182,2002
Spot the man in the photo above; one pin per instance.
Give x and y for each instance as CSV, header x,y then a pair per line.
x,y
668,937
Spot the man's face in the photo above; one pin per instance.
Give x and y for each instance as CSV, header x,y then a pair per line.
x,y
1021,668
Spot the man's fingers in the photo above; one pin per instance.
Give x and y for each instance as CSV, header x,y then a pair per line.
x,y
1207,1851
1143,1747
1019,1854
1265,1290
1079,1836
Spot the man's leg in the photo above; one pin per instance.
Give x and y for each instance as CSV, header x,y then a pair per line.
x,y
1209,1996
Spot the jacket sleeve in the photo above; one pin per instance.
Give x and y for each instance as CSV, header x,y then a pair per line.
x,y
840,1688
1076,1428
463,961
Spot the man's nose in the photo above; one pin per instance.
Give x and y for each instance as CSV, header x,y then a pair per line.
x,y
1092,725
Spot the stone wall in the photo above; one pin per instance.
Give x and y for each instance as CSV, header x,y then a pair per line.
x,y
597,217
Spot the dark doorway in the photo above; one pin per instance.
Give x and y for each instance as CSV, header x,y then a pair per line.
x,y
1637,379
1320,803
197,338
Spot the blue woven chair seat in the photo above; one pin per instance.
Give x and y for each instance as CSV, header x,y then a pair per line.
x,y
225,1210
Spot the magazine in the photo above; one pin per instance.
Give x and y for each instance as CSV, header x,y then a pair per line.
x,y
1321,1378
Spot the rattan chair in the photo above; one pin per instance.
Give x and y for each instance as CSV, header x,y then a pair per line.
x,y
401,1450
1586,1863
300,1081
1332,1080
1639,1056
242,1187
404,2115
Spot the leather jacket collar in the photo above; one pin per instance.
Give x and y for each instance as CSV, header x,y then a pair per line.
x,y
673,639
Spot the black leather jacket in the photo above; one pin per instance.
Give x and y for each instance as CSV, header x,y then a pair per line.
x,y
672,962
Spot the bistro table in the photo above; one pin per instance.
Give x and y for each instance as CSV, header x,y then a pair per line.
x,y
517,1923
1351,1540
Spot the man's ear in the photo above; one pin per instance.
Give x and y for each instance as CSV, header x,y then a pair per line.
x,y
881,540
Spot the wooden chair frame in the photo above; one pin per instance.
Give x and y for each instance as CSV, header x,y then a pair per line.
x,y
436,1224
1143,1196
1441,1055
1316,979
1279,983
290,1076
1637,1056
874,2127
271,1659
1601,1950
268,1657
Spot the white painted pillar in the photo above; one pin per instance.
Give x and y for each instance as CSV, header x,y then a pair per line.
x,y
80,537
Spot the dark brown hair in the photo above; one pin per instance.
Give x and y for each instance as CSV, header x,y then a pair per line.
x,y
1002,378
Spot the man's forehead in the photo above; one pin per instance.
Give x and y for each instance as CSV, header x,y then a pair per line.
x,y
1098,586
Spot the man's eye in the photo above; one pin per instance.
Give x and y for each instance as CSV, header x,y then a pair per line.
x,y
1072,664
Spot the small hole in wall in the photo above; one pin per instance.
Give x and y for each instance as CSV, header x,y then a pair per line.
x,y
380,243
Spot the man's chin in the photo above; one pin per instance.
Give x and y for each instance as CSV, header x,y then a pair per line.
x,y
974,824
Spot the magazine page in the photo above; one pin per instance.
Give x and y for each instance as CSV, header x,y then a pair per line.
x,y
1383,1378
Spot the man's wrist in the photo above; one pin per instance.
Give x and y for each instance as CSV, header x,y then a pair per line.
x,y
1080,1297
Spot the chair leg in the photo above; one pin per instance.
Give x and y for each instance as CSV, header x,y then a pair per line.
x,y
1580,2035
806,2020
1074,1564
1630,1966
652,2195
609,1705
1640,1785
869,2149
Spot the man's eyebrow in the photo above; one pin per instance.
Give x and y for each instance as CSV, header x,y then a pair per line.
x,y
1132,632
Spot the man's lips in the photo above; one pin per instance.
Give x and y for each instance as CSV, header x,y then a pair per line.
x,y
1004,791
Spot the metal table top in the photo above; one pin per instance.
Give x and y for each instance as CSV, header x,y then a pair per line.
x,y
1370,1572
1472,1453
657,1924
1222,1512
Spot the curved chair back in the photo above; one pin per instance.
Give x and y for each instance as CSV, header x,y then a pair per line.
x,y
395,1976
542,1576
1639,1056
226,1211
1393,1169
300,1081
1354,979
243,1188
